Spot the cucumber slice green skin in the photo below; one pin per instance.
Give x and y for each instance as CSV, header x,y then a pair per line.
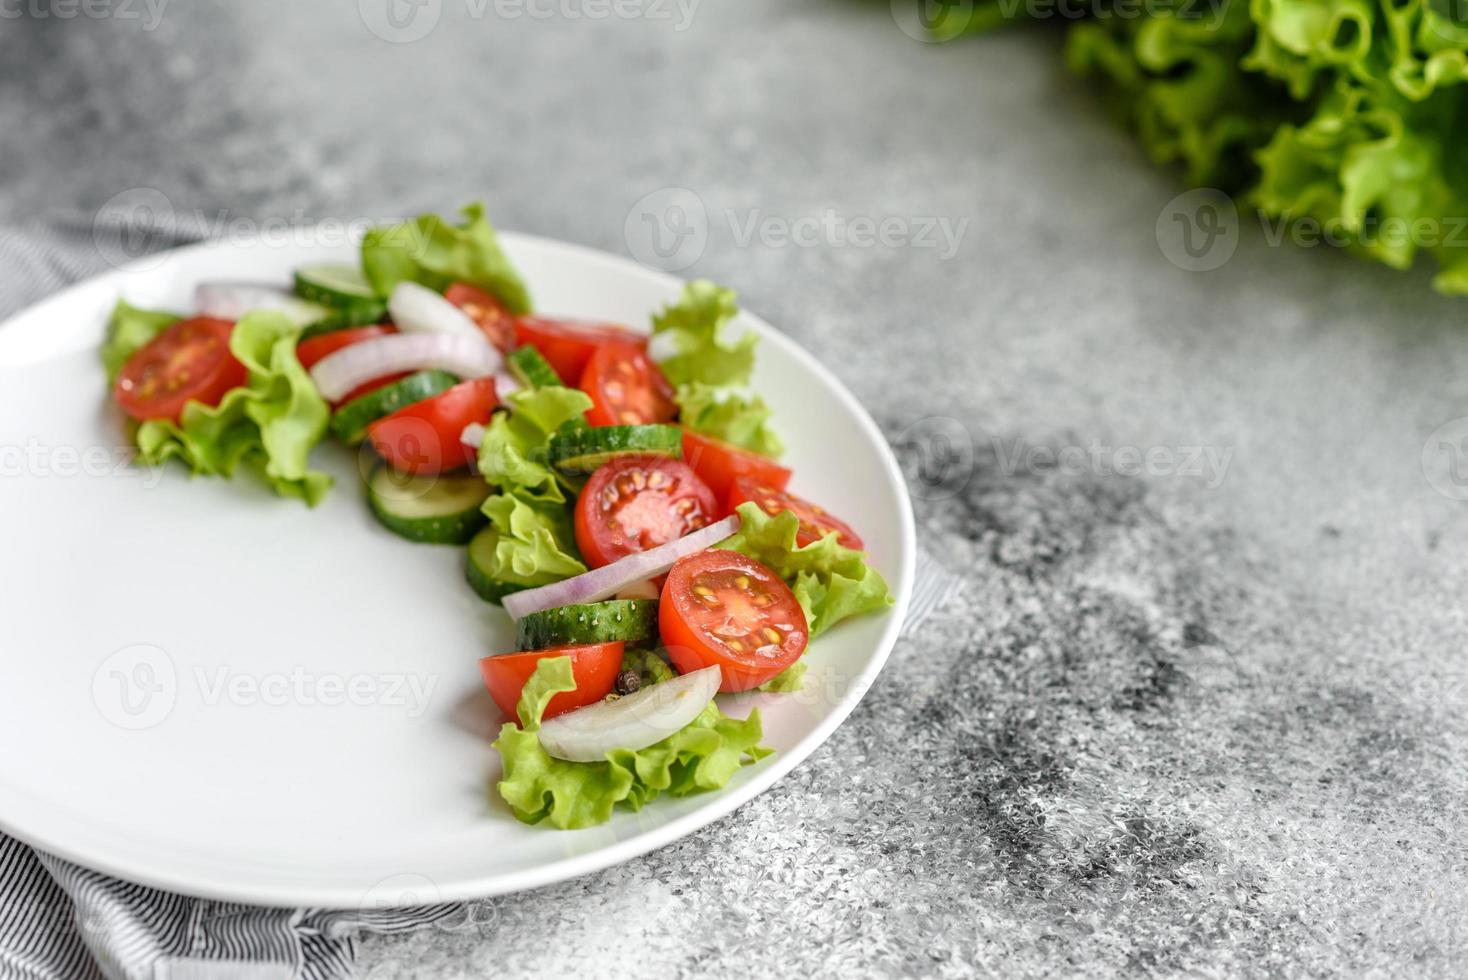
x,y
351,420
441,509
334,285
336,318
531,369
627,620
342,289
482,573
577,451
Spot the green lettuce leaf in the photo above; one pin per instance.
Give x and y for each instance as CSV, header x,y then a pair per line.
x,y
530,511
1339,121
430,250
703,756
730,415
788,681
694,325
708,373
128,329
831,582
536,545
514,454
272,422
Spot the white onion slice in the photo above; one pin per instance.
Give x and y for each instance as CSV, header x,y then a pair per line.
x,y
469,357
232,300
634,722
646,589
607,581
506,384
473,435
418,309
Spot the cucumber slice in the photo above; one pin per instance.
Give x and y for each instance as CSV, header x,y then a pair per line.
x,y
334,285
336,318
351,420
576,451
440,509
628,620
491,582
343,290
531,369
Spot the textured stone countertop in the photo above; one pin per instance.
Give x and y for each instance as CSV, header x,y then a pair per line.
x,y
1200,709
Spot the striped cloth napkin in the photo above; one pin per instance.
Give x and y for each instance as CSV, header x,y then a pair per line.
x,y
59,921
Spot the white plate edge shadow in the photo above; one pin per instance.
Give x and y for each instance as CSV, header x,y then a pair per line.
x,y
713,806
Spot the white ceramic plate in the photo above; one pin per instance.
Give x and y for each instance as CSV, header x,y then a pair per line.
x,y
208,689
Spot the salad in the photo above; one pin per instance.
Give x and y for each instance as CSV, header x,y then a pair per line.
x,y
619,494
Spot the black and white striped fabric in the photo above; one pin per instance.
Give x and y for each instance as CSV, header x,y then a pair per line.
x,y
62,922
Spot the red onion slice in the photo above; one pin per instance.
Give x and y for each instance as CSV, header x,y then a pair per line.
x,y
418,309
468,357
607,581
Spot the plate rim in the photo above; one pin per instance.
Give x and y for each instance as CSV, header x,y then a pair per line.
x,y
718,806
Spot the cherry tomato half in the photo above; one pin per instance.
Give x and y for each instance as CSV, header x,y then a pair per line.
x,y
723,609
188,361
569,344
486,311
719,464
424,437
626,388
815,521
310,352
594,667
634,503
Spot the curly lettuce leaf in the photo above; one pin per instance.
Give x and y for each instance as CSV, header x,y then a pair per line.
x,y
788,681
830,582
432,251
693,327
536,544
709,373
729,415
128,329
514,454
703,756
272,422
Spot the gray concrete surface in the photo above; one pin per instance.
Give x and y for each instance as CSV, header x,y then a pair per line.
x,y
1200,721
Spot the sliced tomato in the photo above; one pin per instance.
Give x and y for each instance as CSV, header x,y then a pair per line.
x,y
424,437
634,503
487,311
594,666
720,464
188,361
569,344
310,352
626,388
815,521
724,609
